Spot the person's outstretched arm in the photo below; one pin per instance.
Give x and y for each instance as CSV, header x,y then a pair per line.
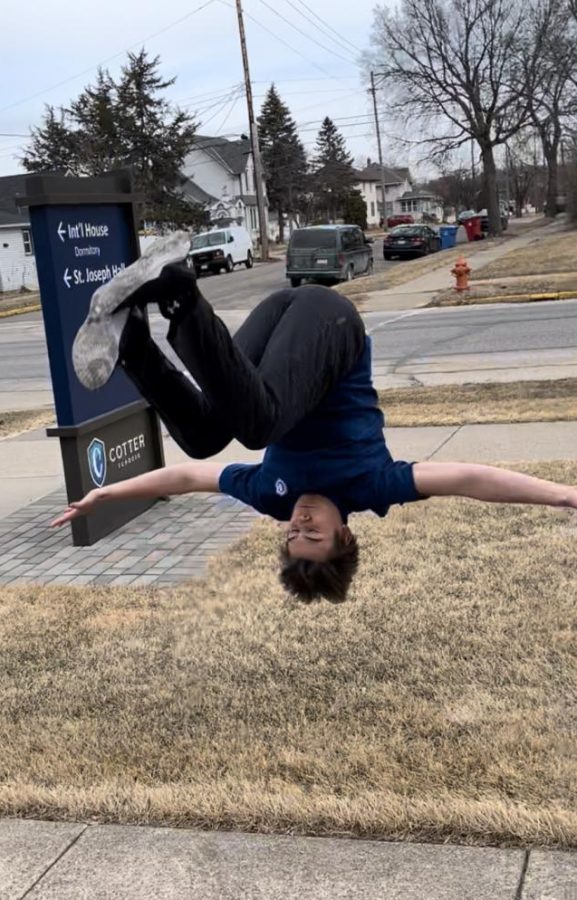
x,y
488,483
183,478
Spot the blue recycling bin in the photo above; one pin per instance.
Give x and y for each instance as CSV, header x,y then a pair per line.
x,y
448,235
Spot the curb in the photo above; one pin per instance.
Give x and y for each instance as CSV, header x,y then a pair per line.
x,y
18,311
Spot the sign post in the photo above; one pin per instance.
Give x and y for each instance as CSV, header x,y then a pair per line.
x,y
84,232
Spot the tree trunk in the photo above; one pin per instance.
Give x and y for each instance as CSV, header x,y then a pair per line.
x,y
550,154
280,226
490,190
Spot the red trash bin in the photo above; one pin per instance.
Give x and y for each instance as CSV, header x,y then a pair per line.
x,y
473,228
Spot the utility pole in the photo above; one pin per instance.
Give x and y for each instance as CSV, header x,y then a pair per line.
x,y
373,91
258,171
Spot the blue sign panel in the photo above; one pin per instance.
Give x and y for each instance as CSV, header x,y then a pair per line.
x,y
79,248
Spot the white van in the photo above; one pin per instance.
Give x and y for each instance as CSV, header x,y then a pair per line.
x,y
223,248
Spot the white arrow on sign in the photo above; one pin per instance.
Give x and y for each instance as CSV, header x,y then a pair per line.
x,y
61,231
67,278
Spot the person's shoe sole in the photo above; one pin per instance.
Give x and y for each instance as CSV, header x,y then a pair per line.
x,y
95,348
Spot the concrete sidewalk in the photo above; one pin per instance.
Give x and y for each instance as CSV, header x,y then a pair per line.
x,y
52,861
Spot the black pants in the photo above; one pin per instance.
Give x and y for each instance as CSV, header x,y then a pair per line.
x,y
291,350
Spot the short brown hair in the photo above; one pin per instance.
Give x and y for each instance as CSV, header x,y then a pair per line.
x,y
309,580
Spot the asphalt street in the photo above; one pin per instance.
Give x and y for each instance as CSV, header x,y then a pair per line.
x,y
428,346
244,288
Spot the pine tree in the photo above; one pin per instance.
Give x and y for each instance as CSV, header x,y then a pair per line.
x,y
332,169
355,209
54,147
95,117
122,124
283,157
154,140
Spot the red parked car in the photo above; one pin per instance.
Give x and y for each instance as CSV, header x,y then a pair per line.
x,y
400,219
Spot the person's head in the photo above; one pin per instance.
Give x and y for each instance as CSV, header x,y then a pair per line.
x,y
321,554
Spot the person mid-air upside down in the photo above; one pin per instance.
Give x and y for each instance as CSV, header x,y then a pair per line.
x,y
294,380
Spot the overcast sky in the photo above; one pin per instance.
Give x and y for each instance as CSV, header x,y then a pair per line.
x,y
51,50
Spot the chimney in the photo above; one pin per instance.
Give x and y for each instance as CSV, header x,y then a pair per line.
x,y
368,160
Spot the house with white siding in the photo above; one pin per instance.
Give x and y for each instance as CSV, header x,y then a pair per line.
x,y
220,175
422,204
397,183
17,263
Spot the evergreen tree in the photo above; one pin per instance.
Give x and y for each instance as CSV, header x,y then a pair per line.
x,y
355,209
95,118
332,168
125,124
54,147
154,139
283,157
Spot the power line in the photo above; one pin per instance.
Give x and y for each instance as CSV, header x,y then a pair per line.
x,y
282,41
205,97
330,27
229,113
221,101
221,107
340,43
304,34
109,59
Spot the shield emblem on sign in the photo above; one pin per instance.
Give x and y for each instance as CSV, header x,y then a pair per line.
x,y
97,461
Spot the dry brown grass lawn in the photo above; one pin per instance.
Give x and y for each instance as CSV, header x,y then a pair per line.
x,y
24,420
12,300
439,703
518,401
555,254
510,290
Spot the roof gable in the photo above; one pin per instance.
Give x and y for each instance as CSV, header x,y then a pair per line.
x,y
11,186
372,172
233,155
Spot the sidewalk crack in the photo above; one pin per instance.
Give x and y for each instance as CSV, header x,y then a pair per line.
x,y
521,885
445,442
53,863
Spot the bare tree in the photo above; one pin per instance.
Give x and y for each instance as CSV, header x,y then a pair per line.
x,y
452,66
456,187
521,170
553,95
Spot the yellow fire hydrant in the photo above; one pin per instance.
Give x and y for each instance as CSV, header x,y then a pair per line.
x,y
461,271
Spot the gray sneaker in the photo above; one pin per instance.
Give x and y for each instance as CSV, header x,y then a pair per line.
x,y
95,348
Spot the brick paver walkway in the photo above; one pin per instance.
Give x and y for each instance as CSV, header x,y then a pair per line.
x,y
169,543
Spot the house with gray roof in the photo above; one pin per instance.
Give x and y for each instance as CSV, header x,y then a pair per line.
x,y
422,204
220,172
397,182
17,263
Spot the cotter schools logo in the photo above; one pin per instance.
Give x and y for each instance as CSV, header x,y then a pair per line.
x,y
280,487
97,461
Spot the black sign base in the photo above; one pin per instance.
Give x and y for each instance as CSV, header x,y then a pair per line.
x,y
104,451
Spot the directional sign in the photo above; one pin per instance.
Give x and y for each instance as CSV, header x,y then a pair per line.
x,y
78,249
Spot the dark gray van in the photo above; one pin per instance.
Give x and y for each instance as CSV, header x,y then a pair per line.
x,y
328,253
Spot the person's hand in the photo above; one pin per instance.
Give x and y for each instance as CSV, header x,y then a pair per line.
x,y
75,510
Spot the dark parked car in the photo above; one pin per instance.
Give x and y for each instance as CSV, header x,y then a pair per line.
x,y
400,219
328,253
407,240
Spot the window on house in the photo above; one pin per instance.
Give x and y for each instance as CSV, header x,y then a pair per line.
x,y
27,239
372,209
